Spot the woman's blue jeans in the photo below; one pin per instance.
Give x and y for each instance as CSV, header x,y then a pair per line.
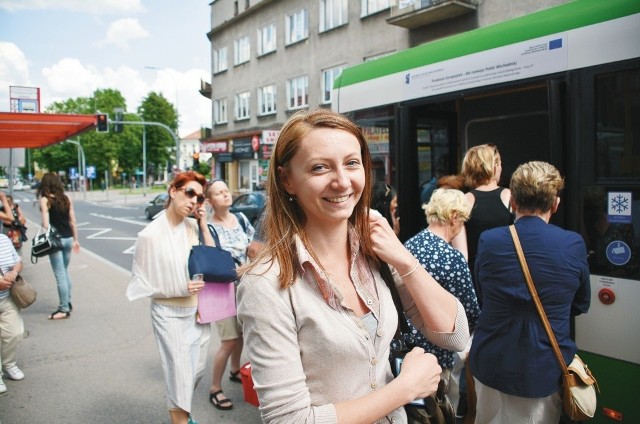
x,y
60,264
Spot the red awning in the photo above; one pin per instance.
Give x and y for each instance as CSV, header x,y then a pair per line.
x,y
41,129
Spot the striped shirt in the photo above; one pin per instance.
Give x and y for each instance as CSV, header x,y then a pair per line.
x,y
8,259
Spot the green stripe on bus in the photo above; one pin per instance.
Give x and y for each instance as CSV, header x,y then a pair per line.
x,y
557,19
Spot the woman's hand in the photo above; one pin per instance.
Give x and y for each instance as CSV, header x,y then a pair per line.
x,y
386,244
195,287
5,284
419,373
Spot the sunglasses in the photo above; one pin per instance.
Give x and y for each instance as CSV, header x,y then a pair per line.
x,y
191,193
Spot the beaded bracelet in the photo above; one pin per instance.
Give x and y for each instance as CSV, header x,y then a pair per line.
x,y
412,270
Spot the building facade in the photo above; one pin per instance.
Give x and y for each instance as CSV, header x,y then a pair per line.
x,y
271,58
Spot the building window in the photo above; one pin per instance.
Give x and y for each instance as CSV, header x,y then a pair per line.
x,y
242,105
220,60
296,26
328,76
369,7
220,111
242,50
267,100
298,92
266,39
333,13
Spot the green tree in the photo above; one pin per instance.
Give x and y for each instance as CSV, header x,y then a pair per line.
x,y
161,146
111,152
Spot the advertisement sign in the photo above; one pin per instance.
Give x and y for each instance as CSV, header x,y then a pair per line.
x,y
24,99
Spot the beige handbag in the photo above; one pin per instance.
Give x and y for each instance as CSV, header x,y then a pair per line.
x,y
578,383
22,293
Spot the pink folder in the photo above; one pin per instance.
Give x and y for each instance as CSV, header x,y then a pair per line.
x,y
216,301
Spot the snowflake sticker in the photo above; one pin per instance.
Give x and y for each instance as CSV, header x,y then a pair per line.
x,y
619,207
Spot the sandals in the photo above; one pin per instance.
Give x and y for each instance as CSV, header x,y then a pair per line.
x,y
222,404
235,376
59,315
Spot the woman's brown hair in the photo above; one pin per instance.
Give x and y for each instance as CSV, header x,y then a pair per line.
x,y
51,187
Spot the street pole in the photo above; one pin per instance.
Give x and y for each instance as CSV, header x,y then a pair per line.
x,y
81,165
144,155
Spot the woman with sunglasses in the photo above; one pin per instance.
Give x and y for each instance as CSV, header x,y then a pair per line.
x,y
160,272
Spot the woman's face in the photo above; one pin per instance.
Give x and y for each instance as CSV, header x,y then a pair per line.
x,y
219,196
393,205
185,199
326,175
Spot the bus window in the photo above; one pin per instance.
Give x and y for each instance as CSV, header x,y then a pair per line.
x,y
617,124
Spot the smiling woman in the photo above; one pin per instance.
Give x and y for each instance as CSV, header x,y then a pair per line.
x,y
315,294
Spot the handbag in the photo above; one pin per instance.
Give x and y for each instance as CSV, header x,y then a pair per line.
x,y
44,244
215,263
434,409
578,383
22,293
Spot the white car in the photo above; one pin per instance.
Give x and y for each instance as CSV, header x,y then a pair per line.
x,y
18,185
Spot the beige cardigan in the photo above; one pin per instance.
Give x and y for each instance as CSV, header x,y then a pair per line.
x,y
306,356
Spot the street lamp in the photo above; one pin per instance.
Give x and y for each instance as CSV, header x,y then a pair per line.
x,y
144,155
81,165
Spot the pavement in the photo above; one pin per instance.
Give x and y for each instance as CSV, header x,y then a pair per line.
x,y
101,365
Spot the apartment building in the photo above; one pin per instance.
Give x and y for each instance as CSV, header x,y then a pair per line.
x,y
271,58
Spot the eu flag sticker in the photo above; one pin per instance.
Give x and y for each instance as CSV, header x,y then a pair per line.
x,y
555,44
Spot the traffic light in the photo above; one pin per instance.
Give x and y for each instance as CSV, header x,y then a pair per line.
x,y
117,126
102,123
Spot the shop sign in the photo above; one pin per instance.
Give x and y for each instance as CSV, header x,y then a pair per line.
x,y
270,136
225,157
242,148
214,147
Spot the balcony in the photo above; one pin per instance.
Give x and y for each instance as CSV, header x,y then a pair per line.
x,y
205,89
413,14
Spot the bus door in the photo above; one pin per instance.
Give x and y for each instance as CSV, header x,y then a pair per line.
x,y
426,152
607,335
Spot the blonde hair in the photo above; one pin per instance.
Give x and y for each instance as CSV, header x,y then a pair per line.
x,y
478,165
284,219
535,186
444,203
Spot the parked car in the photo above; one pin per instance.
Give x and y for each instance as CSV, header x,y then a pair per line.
x,y
4,182
19,185
251,204
156,205
34,184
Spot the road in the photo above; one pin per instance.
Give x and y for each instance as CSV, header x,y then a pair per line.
x,y
101,365
106,227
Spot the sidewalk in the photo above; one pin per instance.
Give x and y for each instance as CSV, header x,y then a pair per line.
x,y
101,365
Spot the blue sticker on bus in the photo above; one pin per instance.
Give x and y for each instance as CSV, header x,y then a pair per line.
x,y
618,252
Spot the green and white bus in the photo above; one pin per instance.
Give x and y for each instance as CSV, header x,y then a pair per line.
x,y
561,85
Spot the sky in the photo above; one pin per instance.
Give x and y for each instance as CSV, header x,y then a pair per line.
x,y
69,48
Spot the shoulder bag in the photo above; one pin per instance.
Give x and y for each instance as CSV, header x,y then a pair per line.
x,y
44,244
215,263
22,293
578,383
434,409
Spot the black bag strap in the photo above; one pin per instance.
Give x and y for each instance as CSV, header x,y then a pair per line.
x,y
213,233
242,221
385,273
